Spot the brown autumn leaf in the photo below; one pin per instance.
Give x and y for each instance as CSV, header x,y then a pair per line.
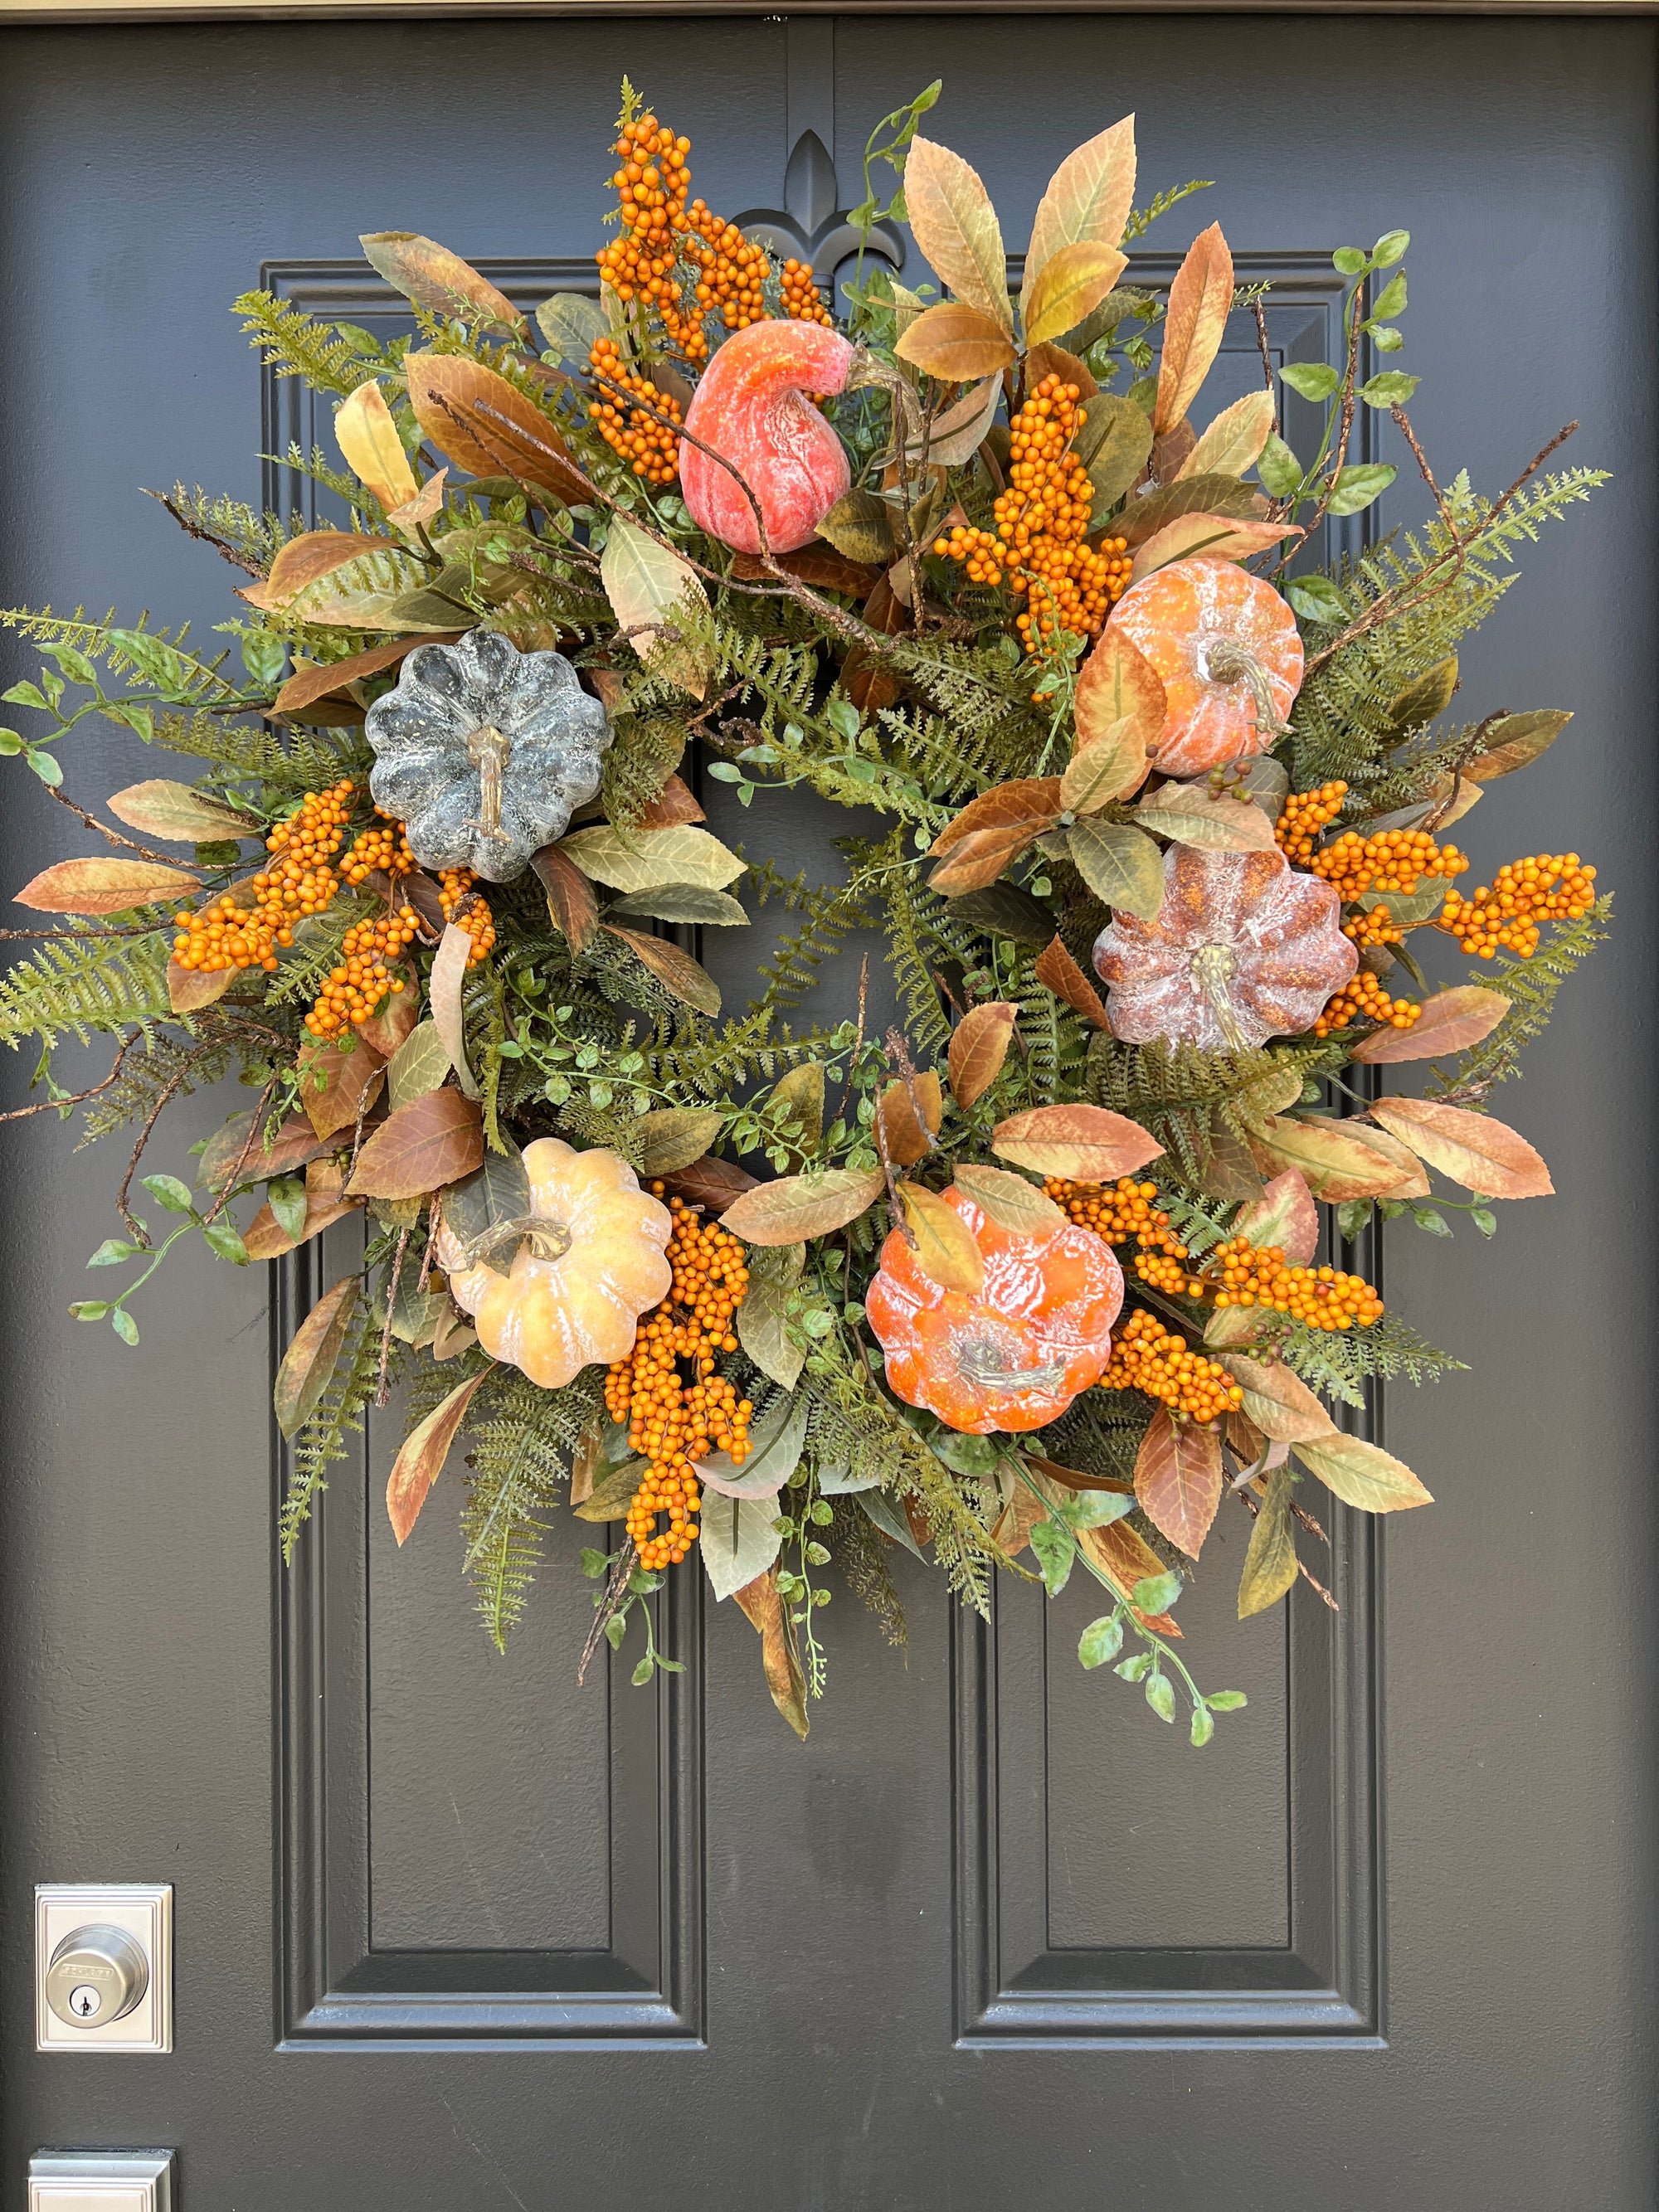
x,y
979,1045
1194,814
433,1141
822,566
189,989
1084,1144
434,278
1285,1216
1361,1474
954,223
1056,969
330,680
340,1082
421,1460
1127,1561
180,813
1207,492
945,1246
306,560
1485,1156
1089,198
1200,299
1234,441
958,342
710,1183
1279,1403
674,805
1270,1567
764,1610
1449,1021
798,1207
484,425
367,436
308,1363
570,899
266,1236
1008,1199
397,1015
1071,1478
992,830
104,886
1515,741
1178,1479
676,971
907,1135
1050,360
1230,535
1071,284
229,1152
1337,1158
1119,710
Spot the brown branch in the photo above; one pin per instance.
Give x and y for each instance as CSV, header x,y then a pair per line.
x,y
114,837
616,1594
78,1098
383,1386
242,1158
226,550
1267,358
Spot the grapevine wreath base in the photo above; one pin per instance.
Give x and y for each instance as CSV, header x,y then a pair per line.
x,y
1032,1281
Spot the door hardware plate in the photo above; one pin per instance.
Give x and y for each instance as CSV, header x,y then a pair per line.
x,y
101,2181
142,1911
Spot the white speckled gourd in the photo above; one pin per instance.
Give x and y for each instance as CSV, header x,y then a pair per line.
x,y
485,752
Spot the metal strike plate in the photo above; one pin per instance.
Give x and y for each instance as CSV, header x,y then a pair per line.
x,y
101,2181
103,1966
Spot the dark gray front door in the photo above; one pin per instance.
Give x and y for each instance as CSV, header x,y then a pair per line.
x,y
455,1937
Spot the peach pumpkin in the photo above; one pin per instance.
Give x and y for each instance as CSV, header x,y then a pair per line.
x,y
1228,653
1015,1353
750,406
590,1260
1244,947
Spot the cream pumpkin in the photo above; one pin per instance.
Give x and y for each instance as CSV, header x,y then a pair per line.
x,y
590,1260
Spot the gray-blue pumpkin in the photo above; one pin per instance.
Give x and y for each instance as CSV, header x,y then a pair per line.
x,y
483,752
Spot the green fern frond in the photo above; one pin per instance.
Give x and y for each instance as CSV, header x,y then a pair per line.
x,y
81,982
522,1439
326,1437
1530,987
296,343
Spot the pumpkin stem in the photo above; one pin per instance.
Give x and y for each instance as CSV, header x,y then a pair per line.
x,y
1214,967
1225,660
548,1240
489,750
984,1363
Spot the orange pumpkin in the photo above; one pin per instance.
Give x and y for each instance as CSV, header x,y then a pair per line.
x,y
750,409
1229,655
589,1260
1244,947
1014,1354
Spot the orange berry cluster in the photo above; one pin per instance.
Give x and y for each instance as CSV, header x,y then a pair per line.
x,y
1041,521
464,905
1377,927
1391,861
298,881
1322,1298
651,449
382,848
355,988
1150,1359
657,226
1547,886
1304,818
1364,999
671,1421
1121,1210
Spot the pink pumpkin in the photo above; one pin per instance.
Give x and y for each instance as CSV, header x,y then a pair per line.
x,y
751,407
1244,947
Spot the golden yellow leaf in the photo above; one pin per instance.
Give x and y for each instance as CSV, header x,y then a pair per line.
x,y
367,436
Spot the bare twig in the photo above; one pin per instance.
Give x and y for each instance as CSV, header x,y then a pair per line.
x,y
383,1386
254,1127
114,837
616,1594
224,550
1267,358
1253,1506
78,1098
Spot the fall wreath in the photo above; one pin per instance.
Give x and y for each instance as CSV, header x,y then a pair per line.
x,y
1033,1278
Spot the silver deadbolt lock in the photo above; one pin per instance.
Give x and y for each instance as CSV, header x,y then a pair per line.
x,y
96,1975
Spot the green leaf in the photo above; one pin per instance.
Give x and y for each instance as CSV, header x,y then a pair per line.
x,y
1120,864
1484,1220
1203,1726
1390,300
112,1252
763,1317
1226,1701
1270,1566
842,717
10,743
225,1239
1158,1592
1136,1668
594,1563
643,1671
1314,379
1387,339
90,1309
1160,1696
123,1324
1101,1640
1427,1217
1389,248
1055,1549
615,1629
686,902
287,1197
1317,599
166,1190
1357,487
739,1541
1390,388
1094,1509
25,695
1278,469
1352,1215
49,770
1349,260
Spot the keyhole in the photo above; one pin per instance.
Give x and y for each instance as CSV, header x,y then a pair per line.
x,y
84,2001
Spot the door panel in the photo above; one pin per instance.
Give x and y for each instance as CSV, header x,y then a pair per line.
x,y
453,1934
